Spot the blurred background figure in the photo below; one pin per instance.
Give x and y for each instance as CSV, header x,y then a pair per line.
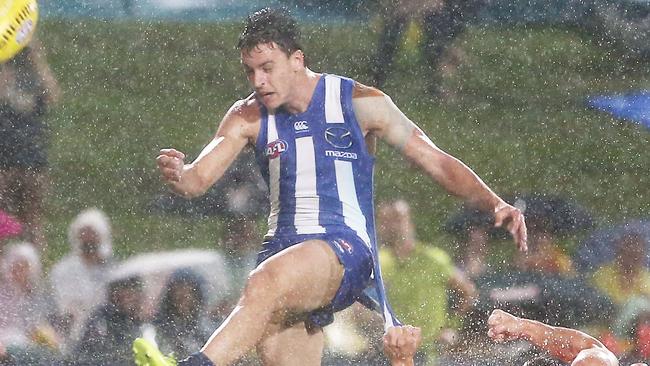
x,y
472,228
439,21
627,276
419,278
9,228
25,330
111,329
239,245
79,279
181,320
542,283
27,88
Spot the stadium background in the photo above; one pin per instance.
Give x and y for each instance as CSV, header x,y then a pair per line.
x,y
141,75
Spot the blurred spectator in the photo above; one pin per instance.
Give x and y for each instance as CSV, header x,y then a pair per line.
x,y
355,338
548,218
112,327
472,227
240,246
9,227
24,307
181,321
627,275
441,21
542,284
418,277
544,255
79,279
27,88
640,335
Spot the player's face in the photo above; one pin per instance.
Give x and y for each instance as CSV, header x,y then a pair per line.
x,y
271,73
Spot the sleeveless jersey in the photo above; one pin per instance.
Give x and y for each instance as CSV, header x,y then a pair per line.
x,y
317,167
320,175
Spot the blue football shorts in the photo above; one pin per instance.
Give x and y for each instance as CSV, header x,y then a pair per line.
x,y
353,254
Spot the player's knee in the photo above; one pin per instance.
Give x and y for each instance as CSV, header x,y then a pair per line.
x,y
262,285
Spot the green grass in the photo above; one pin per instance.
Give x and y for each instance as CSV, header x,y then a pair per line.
x,y
518,119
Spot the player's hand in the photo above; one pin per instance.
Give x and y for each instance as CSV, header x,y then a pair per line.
x,y
401,343
503,326
514,223
170,163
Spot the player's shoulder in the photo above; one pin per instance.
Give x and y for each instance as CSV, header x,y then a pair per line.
x,y
364,91
247,109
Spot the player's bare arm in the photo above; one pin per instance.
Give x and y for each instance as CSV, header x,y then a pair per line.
x,y
378,115
238,128
567,345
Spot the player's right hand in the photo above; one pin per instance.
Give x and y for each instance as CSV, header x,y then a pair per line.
x,y
503,326
170,163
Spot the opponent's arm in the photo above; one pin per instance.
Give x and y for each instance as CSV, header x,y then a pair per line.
x,y
380,116
192,180
567,345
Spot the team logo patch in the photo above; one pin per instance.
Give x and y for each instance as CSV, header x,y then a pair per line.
x,y
300,126
343,245
275,148
338,137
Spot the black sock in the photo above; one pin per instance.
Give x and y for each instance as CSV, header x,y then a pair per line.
x,y
196,359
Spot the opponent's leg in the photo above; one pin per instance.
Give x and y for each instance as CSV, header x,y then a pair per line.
x,y
301,278
292,345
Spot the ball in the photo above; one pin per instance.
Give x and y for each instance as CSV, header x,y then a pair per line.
x,y
17,25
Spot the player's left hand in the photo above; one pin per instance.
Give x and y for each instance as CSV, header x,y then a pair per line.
x,y
401,343
514,222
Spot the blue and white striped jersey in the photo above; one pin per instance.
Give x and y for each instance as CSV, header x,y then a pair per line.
x,y
317,166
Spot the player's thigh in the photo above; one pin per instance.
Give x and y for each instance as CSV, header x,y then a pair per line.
x,y
303,277
292,346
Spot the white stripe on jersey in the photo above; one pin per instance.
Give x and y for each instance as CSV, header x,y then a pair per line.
x,y
307,201
352,215
333,109
274,178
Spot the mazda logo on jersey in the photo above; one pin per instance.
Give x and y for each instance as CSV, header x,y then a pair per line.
x,y
338,137
275,148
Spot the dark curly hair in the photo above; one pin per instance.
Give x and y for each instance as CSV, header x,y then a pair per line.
x,y
270,25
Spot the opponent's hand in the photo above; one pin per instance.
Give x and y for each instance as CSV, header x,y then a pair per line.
x,y
514,223
170,163
503,326
401,343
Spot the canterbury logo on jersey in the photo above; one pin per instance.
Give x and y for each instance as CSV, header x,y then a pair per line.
x,y
341,154
301,126
275,148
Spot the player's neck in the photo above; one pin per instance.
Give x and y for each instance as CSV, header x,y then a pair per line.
x,y
305,87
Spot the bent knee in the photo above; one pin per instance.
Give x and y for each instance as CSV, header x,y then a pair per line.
x,y
263,284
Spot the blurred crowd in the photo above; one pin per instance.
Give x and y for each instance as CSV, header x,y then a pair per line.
x,y
88,307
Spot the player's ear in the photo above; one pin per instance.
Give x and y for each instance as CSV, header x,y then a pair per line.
x,y
297,59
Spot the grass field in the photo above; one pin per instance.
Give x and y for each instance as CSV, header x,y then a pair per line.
x,y
518,119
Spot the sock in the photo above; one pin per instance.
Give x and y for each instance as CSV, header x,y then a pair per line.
x,y
196,359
